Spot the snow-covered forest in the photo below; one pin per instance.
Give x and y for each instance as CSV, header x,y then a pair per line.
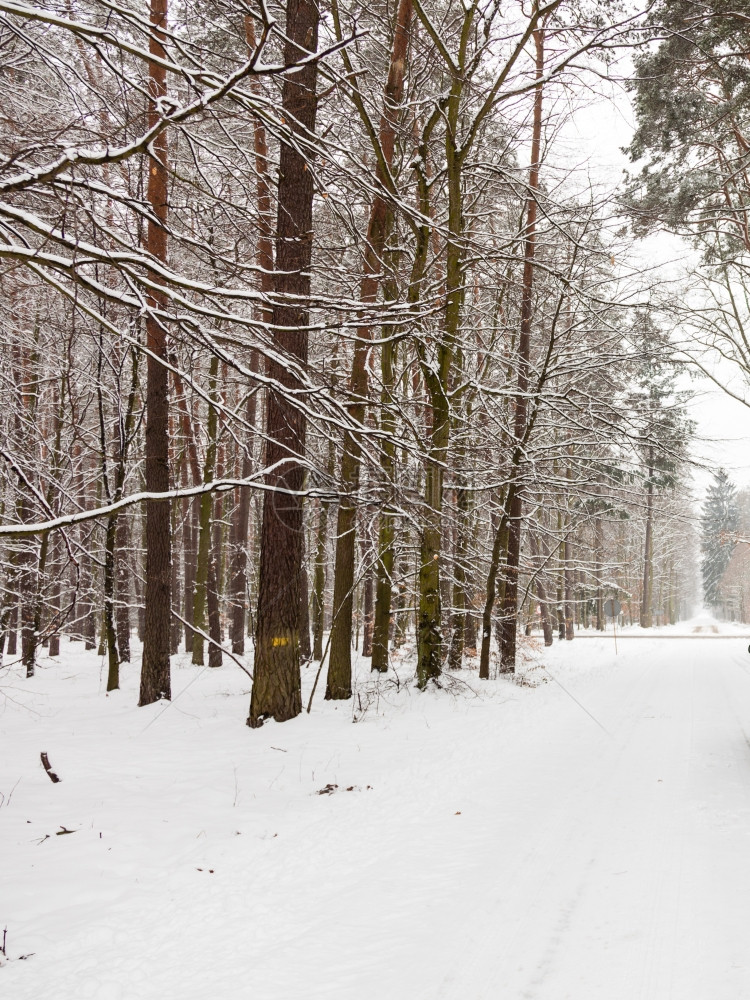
x,y
328,358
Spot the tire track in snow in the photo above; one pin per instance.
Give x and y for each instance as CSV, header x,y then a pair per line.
x,y
568,837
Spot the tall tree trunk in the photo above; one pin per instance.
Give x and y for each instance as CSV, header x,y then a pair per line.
x,y
367,599
113,659
598,556
568,571
401,624
191,508
264,257
568,582
240,535
56,547
499,546
122,579
13,631
155,673
305,649
648,549
560,608
29,550
458,636
86,617
387,524
319,572
215,654
541,591
4,623
515,511
55,597
204,535
138,567
191,520
319,581
339,683
28,563
108,637
277,684
175,632
440,376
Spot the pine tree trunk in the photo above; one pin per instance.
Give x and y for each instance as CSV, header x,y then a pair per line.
x,y
387,525
215,654
113,660
429,614
305,649
55,598
401,623
240,535
86,620
122,579
458,637
218,527
191,520
568,580
339,684
175,631
138,566
367,601
598,556
155,669
276,689
319,581
27,563
515,511
4,634
264,255
13,631
499,546
541,593
200,598
648,550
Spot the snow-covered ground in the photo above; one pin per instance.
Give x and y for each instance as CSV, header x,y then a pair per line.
x,y
586,837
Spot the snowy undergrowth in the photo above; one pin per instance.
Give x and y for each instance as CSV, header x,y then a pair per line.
x,y
183,854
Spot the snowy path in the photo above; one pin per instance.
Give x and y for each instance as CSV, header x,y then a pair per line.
x,y
634,875
509,846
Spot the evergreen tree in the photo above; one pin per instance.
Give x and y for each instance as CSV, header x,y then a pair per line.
x,y
662,431
720,521
691,97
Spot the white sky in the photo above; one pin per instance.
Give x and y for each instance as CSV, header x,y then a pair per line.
x,y
593,140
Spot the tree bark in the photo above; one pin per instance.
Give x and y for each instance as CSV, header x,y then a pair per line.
x,y
339,683
319,581
367,600
515,511
200,597
264,257
541,593
240,534
458,636
277,684
122,580
155,673
384,562
305,649
648,549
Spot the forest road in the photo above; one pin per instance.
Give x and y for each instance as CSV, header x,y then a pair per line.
x,y
588,839
616,865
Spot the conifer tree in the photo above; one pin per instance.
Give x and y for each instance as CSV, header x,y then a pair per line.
x,y
719,524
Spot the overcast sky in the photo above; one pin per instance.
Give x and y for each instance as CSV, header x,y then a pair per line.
x,y
593,139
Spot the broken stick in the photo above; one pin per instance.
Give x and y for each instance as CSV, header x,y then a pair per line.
x,y
48,768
